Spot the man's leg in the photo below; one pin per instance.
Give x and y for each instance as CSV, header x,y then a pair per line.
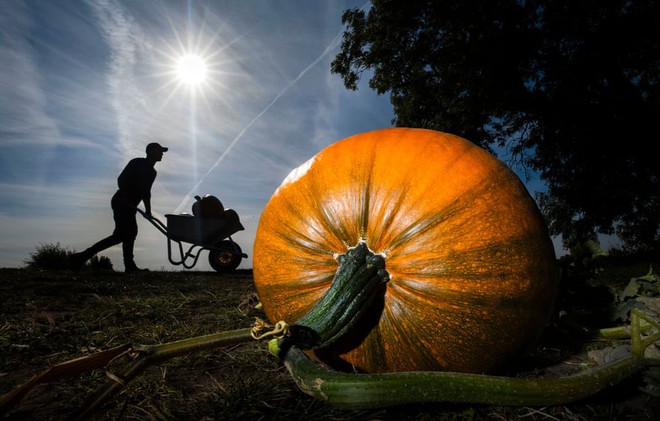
x,y
129,262
127,228
77,260
100,246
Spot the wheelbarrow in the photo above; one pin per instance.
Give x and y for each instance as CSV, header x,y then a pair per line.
x,y
202,234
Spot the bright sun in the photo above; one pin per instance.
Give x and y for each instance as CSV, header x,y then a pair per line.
x,y
191,69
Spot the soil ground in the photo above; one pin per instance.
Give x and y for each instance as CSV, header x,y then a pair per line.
x,y
50,317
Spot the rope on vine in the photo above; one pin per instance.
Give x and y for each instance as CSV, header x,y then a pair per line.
x,y
260,330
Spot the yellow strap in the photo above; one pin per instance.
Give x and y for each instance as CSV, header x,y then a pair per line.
x,y
262,330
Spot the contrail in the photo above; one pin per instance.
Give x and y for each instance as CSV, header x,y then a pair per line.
x,y
121,34
333,44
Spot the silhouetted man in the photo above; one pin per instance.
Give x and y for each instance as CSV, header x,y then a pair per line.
x,y
134,183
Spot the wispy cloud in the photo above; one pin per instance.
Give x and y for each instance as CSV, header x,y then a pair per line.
x,y
122,35
23,101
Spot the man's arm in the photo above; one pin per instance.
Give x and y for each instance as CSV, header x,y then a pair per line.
x,y
147,204
146,197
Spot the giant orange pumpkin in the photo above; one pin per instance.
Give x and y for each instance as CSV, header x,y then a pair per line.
x,y
471,266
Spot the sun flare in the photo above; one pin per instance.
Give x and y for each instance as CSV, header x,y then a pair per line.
x,y
193,65
191,69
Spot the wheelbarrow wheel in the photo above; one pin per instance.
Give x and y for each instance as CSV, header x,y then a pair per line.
x,y
225,256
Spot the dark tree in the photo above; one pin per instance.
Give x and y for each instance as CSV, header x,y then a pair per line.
x,y
570,87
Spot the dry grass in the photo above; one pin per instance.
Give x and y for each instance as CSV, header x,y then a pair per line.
x,y
50,317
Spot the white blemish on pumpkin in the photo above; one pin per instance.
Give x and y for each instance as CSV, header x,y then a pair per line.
x,y
298,172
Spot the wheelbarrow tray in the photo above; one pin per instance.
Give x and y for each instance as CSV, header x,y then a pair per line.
x,y
205,232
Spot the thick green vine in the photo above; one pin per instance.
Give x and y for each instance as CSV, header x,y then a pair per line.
x,y
362,391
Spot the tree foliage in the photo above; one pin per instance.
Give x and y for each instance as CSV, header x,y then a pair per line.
x,y
569,87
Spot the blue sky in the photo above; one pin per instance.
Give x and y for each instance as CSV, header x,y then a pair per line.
x,y
86,84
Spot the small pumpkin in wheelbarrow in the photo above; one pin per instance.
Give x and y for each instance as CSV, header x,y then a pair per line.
x,y
208,206
406,250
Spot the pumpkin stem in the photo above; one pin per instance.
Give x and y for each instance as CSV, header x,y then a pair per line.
x,y
359,280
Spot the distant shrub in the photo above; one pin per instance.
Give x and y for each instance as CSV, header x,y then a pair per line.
x,y
587,254
56,257
49,257
101,264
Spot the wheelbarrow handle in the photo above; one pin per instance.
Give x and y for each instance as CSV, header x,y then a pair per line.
x,y
154,221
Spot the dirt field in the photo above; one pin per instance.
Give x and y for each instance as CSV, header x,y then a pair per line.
x,y
47,318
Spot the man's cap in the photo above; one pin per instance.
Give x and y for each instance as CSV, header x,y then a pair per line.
x,y
154,147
